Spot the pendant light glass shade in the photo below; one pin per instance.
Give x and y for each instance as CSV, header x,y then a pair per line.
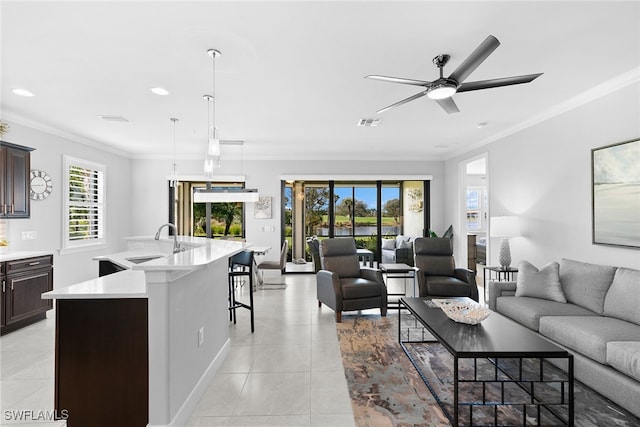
x,y
211,163
214,143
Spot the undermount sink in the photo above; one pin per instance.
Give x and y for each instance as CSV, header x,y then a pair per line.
x,y
141,259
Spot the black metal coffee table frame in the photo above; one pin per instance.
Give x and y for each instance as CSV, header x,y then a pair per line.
x,y
495,338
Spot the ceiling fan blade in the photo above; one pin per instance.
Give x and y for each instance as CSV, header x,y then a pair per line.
x,y
505,81
476,58
404,101
399,80
448,105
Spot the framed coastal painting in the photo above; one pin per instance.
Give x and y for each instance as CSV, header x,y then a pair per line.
x,y
615,194
262,208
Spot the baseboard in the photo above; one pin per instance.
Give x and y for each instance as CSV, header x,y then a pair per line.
x,y
189,405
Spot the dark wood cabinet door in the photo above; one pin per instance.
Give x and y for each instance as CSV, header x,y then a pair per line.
x,y
3,183
23,295
2,298
17,182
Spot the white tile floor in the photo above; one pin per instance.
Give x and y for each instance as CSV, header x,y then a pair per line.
x,y
289,372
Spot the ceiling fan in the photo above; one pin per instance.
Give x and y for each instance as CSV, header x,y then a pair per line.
x,y
443,88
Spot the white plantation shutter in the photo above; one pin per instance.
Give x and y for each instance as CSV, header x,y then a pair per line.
x,y
84,207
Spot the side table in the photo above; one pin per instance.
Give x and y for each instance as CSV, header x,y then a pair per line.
x,y
399,271
501,273
366,256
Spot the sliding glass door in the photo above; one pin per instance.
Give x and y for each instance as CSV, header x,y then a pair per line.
x,y
364,210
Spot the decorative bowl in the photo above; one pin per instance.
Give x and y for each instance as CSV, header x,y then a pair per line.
x,y
461,312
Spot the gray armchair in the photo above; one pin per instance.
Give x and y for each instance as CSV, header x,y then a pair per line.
x,y
314,250
343,285
437,274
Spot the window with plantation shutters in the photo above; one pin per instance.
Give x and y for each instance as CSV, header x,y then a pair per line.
x,y
84,203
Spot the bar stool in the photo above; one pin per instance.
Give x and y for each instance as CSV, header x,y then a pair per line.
x,y
240,265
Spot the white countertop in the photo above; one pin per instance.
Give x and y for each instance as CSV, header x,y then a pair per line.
x,y
125,284
131,283
199,252
10,256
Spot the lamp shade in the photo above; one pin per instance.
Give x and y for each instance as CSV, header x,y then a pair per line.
x,y
504,226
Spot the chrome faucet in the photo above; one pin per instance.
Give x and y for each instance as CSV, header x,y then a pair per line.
x,y
176,245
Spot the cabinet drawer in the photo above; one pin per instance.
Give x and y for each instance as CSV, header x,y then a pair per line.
x,y
20,265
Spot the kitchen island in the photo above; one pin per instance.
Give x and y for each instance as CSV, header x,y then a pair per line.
x,y
139,347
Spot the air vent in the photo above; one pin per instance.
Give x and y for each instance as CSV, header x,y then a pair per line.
x,y
114,119
369,122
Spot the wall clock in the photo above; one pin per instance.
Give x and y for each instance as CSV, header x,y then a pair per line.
x,y
41,185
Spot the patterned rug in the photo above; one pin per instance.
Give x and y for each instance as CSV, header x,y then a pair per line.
x,y
386,389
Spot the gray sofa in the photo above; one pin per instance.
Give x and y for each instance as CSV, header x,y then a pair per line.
x,y
599,324
398,250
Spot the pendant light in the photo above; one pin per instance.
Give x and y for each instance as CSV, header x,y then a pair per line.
x,y
227,195
173,179
212,156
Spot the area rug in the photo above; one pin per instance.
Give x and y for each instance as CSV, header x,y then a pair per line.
x,y
386,390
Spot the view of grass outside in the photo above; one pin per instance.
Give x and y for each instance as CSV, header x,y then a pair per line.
x,y
226,219
355,210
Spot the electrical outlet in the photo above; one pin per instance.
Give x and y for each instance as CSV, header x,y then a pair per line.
x,y
200,336
29,235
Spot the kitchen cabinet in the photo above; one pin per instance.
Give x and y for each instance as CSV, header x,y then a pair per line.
x,y
23,282
14,180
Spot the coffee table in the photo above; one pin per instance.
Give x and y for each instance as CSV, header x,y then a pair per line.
x,y
496,340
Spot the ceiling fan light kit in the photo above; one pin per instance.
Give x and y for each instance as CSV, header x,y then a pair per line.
x,y
442,89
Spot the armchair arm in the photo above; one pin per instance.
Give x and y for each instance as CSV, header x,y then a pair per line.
x,y
372,274
376,275
499,289
328,289
468,276
422,283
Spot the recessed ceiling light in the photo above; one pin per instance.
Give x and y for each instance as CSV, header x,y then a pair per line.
x,y
114,119
159,91
22,92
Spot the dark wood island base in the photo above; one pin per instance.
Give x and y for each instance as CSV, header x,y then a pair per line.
x,y
101,367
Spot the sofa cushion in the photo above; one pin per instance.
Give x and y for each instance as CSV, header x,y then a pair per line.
x,y
388,243
404,244
543,283
588,335
586,284
528,311
623,298
625,357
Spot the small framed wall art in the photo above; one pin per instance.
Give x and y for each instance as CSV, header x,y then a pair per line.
x,y
262,208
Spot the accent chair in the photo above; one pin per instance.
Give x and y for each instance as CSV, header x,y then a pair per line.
x,y
343,285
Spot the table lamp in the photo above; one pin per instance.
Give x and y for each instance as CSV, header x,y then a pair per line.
x,y
504,227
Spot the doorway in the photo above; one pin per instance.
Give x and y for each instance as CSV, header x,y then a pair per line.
x,y
474,218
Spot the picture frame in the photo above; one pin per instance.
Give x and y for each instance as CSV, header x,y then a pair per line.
x,y
262,208
615,194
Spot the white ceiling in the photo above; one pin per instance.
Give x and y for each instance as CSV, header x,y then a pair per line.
x,y
290,79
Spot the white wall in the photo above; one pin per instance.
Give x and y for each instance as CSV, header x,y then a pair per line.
x,y
150,195
46,215
543,174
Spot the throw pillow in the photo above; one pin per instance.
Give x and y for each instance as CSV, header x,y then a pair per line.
x,y
388,243
404,244
543,283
